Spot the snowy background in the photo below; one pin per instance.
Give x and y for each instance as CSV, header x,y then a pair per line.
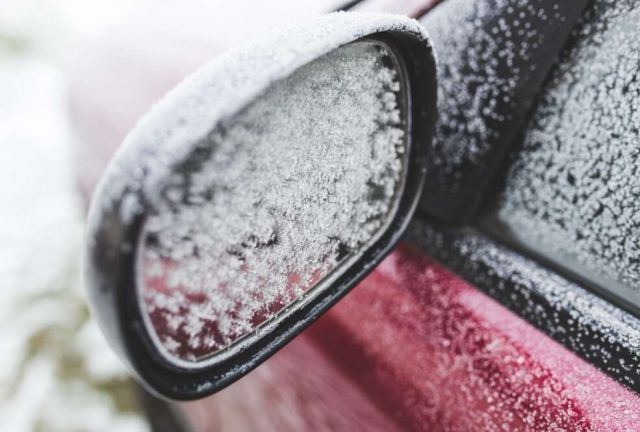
x,y
57,372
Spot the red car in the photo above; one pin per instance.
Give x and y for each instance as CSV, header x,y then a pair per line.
x,y
510,303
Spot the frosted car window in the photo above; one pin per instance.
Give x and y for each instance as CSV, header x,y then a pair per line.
x,y
573,190
493,57
311,170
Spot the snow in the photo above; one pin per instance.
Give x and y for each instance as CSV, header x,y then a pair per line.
x,y
50,378
573,189
44,326
286,196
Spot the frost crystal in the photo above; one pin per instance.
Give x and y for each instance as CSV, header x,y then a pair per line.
x,y
273,200
574,187
486,52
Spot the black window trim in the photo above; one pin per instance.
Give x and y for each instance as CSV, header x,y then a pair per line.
x,y
614,349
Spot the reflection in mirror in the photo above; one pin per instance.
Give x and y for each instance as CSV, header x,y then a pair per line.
x,y
275,203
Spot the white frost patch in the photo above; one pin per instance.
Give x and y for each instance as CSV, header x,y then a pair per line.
x,y
475,91
574,188
274,200
219,90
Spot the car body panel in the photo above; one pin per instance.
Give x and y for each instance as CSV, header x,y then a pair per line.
x,y
429,352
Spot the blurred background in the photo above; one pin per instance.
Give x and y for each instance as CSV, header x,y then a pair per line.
x,y
74,76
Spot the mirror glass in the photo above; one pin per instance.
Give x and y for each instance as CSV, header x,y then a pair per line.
x,y
274,203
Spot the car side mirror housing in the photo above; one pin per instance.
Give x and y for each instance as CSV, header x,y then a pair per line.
x,y
256,194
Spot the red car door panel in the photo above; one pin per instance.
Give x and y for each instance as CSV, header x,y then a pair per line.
x,y
429,352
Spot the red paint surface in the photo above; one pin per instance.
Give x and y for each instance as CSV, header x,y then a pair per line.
x,y
415,348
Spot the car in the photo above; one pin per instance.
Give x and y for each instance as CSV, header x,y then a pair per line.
x,y
511,302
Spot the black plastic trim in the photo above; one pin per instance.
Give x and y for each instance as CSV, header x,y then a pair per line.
x,y
613,291
348,5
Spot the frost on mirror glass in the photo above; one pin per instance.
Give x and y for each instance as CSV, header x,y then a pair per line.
x,y
274,201
573,190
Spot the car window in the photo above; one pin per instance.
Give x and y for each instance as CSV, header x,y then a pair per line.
x,y
572,189
493,56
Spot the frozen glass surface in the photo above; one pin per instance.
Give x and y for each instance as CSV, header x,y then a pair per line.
x,y
274,202
573,190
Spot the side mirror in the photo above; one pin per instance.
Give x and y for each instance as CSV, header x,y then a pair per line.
x,y
256,194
